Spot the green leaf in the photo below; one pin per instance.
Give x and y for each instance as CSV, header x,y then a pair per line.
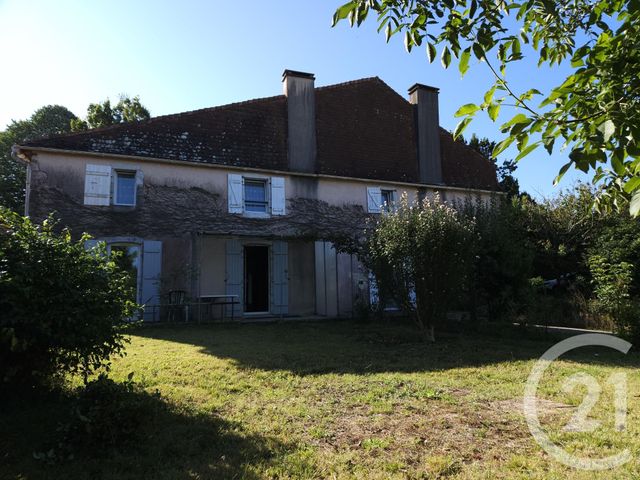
x,y
468,109
343,12
461,127
431,52
563,170
493,110
519,118
488,96
634,206
463,66
478,51
502,146
527,151
607,128
632,184
446,57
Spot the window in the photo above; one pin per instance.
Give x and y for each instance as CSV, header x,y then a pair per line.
x,y
125,188
255,195
388,198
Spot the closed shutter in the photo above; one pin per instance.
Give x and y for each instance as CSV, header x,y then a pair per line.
x,y
278,199
97,185
151,270
234,274
280,281
374,199
234,193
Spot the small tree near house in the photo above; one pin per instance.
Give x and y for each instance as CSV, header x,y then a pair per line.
x,y
422,255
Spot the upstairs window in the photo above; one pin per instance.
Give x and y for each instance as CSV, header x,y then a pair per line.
x,y
255,196
388,198
104,185
125,188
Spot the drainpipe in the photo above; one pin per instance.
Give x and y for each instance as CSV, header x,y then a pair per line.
x,y
21,157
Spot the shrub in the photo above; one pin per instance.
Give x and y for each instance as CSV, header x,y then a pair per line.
x,y
504,258
62,309
421,255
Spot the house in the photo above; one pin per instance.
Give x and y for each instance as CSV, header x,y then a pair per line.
x,y
248,199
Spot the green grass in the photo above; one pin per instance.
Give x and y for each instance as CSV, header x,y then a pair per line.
x,y
333,400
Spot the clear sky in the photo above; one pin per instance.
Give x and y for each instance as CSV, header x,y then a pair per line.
x,y
184,55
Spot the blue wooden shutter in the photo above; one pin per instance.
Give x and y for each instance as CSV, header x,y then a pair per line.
x,y
234,193
97,185
234,274
374,199
280,281
151,270
278,199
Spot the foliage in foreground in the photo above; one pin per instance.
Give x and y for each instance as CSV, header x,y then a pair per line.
x,y
62,309
421,255
594,111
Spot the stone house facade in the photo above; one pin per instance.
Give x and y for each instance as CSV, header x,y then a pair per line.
x,y
244,201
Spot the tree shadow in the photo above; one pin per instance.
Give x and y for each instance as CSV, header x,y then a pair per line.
x,y
308,348
174,444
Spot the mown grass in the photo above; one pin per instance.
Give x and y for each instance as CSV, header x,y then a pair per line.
x,y
335,400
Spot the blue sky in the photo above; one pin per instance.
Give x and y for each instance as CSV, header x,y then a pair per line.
x,y
185,55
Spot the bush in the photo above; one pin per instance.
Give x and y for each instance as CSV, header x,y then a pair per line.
x,y
504,258
62,309
421,255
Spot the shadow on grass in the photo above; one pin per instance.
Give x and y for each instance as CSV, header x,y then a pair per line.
x,y
173,444
349,347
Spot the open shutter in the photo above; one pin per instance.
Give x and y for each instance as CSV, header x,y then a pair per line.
x,y
151,269
278,200
235,193
97,185
374,199
280,281
374,298
233,279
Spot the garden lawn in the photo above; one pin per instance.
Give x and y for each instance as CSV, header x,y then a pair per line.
x,y
335,400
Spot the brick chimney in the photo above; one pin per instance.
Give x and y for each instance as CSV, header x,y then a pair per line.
x,y
298,87
425,101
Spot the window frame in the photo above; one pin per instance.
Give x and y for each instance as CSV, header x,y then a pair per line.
x,y
117,173
387,206
266,182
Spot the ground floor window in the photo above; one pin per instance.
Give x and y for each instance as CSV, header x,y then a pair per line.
x,y
128,258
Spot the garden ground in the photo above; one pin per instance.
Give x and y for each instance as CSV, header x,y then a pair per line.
x,y
334,400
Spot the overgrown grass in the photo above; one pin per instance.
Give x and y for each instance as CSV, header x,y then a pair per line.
x,y
334,400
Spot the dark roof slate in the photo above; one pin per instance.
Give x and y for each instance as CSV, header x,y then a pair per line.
x,y
364,130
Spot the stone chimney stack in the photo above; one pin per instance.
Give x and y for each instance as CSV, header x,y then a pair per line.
x,y
298,87
425,102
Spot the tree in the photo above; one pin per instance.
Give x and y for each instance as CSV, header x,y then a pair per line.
x,y
422,255
48,120
103,114
595,111
485,147
63,309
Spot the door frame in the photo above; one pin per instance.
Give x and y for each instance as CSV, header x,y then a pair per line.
x,y
268,246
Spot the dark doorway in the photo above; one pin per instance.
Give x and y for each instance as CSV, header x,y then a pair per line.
x,y
256,278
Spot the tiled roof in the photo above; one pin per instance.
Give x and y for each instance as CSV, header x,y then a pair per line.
x,y
364,130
